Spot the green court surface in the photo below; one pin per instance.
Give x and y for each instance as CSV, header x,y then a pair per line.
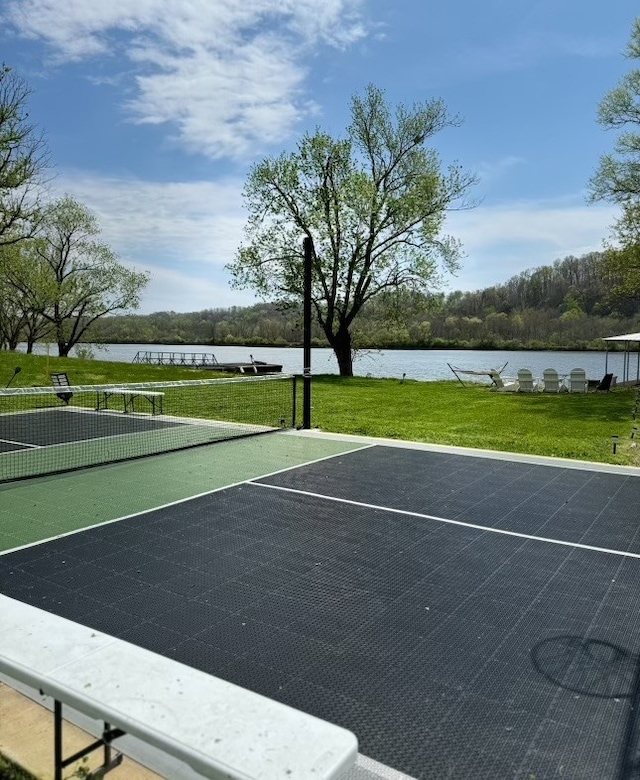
x,y
38,509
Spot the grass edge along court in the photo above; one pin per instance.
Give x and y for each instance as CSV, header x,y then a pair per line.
x,y
442,412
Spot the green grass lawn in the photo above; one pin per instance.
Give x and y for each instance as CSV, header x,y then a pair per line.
x,y
566,425
36,371
11,771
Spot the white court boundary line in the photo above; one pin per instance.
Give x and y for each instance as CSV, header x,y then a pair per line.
x,y
446,520
24,444
450,449
187,498
366,442
81,442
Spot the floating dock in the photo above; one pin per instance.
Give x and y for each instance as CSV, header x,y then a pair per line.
x,y
205,360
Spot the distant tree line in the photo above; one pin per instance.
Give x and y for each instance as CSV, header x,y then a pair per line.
x,y
564,305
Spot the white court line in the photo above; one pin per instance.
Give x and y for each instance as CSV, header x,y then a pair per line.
x,y
22,444
408,513
184,500
512,457
106,437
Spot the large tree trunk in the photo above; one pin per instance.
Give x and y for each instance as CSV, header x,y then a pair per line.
x,y
341,345
63,345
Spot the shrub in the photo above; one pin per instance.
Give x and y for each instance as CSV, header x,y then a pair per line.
x,y
11,771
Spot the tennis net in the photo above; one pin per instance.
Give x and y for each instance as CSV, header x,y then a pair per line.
x,y
45,430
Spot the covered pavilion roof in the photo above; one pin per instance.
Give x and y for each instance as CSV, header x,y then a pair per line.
x,y
623,337
627,339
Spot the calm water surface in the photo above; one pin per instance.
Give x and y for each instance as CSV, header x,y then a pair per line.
x,y
424,365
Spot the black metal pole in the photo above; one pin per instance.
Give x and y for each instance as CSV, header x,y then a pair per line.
x,y
107,744
294,411
306,358
16,371
57,740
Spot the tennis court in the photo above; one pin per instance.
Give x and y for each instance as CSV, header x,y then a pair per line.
x,y
464,615
54,426
47,430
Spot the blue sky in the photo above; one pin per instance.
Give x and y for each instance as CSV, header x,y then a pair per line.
x,y
154,111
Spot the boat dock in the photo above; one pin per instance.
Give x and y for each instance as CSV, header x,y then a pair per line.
x,y
205,360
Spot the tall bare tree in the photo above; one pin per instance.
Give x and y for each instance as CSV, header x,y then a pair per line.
x,y
618,176
23,160
373,203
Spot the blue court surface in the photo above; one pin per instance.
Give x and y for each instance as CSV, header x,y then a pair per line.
x,y
465,617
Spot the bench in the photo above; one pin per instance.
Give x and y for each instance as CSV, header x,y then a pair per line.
x,y
155,399
61,380
217,728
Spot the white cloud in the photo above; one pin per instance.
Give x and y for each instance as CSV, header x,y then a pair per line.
x,y
223,107
226,75
489,172
501,241
174,290
184,233
196,222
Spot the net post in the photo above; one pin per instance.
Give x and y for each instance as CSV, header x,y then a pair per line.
x,y
294,402
306,372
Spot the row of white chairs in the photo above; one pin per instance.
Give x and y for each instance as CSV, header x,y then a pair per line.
x,y
574,382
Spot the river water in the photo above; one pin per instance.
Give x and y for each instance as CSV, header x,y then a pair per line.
x,y
421,364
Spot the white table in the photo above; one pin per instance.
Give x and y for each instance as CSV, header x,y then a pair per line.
x,y
219,729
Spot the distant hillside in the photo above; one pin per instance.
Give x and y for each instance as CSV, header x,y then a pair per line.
x,y
565,305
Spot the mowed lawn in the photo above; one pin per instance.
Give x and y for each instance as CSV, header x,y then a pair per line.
x,y
564,425
577,426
